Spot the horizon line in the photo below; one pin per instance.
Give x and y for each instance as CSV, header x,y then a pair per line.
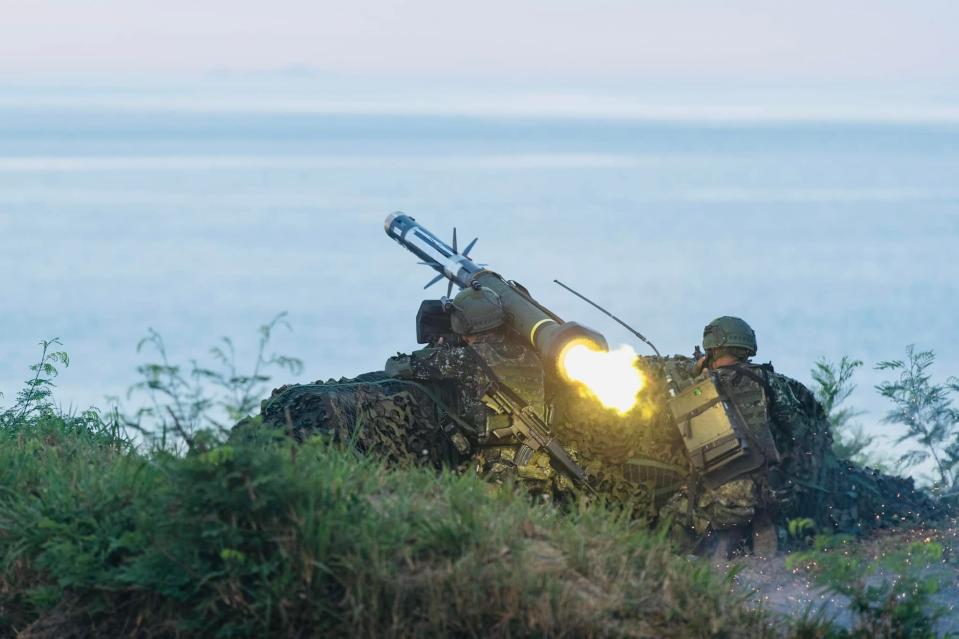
x,y
535,106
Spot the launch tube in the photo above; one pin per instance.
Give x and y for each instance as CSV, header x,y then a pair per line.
x,y
532,321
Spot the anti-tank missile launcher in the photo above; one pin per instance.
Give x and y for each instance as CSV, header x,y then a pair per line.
x,y
529,319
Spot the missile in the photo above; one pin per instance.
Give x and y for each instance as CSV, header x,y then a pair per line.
x,y
529,319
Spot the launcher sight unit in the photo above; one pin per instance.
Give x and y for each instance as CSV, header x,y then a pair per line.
x,y
532,321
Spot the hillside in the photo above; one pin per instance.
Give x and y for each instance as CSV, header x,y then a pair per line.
x,y
265,538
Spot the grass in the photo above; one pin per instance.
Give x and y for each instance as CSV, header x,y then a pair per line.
x,y
256,538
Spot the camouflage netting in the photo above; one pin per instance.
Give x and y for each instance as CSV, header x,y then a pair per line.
x,y
637,459
399,421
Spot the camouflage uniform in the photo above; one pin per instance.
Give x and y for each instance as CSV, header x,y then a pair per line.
x,y
807,481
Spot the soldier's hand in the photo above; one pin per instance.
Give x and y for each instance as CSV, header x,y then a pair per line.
x,y
700,365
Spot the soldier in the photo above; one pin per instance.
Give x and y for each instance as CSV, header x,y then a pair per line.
x,y
425,407
780,420
795,473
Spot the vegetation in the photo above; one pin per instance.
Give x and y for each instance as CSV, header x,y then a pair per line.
x,y
178,402
162,525
889,595
35,398
926,410
833,387
259,538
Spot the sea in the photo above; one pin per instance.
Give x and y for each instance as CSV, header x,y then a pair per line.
x,y
123,214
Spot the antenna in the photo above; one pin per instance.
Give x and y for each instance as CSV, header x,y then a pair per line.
x,y
613,317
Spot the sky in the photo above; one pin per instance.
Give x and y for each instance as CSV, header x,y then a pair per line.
x,y
813,41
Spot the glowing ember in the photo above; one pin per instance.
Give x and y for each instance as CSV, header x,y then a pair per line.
x,y
611,377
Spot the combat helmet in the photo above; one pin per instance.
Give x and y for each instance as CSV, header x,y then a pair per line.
x,y
730,332
476,310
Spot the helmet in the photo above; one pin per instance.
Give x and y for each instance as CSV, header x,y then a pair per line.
x,y
731,332
476,310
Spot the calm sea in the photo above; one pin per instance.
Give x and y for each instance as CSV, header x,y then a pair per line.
x,y
831,239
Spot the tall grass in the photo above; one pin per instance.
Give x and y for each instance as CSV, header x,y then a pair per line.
x,y
255,538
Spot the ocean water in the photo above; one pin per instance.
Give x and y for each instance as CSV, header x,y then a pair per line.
x,y
830,238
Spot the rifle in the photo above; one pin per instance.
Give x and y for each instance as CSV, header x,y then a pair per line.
x,y
531,431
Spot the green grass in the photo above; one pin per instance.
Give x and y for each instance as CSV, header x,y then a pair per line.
x,y
256,538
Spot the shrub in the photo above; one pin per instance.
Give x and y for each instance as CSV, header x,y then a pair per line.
x,y
890,596
925,409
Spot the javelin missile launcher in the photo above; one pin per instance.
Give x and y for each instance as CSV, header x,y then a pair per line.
x,y
533,322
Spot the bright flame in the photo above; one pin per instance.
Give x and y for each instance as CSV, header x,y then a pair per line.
x,y
611,377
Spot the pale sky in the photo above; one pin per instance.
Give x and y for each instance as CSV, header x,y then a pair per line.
x,y
812,40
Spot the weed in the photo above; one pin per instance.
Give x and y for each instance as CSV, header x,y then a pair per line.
x,y
890,596
926,410
36,395
188,404
833,387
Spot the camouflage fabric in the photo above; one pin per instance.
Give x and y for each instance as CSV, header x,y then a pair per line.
x,y
813,482
402,422
430,412
862,498
455,368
